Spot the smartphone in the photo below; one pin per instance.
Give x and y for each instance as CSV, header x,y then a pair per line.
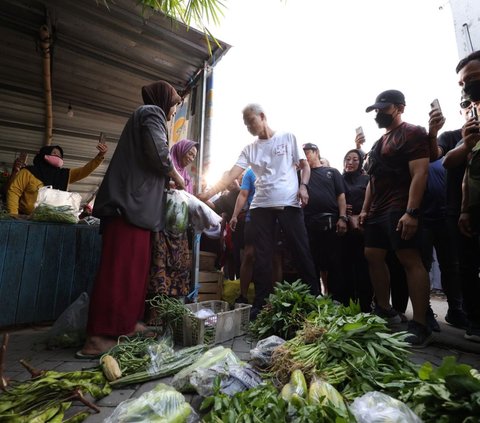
x,y
102,139
473,112
435,104
22,156
359,130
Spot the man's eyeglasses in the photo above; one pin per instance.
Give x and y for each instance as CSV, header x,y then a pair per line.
x,y
465,104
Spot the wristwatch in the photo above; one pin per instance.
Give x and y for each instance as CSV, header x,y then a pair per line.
x,y
344,218
413,212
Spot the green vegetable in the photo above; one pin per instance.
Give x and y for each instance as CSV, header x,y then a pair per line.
x,y
298,382
166,366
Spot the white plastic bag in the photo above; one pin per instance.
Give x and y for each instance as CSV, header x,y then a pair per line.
x,y
54,205
377,407
201,216
58,198
162,404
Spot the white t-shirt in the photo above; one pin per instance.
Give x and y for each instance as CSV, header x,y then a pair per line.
x,y
274,163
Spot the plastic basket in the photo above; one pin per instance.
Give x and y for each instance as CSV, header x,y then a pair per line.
x,y
224,325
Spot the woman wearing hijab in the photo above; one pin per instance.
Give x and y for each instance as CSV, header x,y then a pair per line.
x,y
183,154
47,170
357,279
171,261
131,205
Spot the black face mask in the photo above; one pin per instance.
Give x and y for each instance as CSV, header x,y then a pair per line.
x,y
471,90
384,120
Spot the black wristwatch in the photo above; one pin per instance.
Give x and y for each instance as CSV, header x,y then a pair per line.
x,y
413,212
344,218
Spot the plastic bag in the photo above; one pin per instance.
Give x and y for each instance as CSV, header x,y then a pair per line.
x,y
163,403
69,330
377,407
177,212
262,353
233,378
201,216
57,198
216,356
54,205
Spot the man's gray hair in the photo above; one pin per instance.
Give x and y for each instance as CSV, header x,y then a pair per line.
x,y
253,107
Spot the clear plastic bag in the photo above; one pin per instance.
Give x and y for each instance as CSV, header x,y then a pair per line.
x,y
177,212
69,330
163,403
233,378
217,356
262,353
377,407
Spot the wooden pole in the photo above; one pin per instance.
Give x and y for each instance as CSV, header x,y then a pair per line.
x,y
45,43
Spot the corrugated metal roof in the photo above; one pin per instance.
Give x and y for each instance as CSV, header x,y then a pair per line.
x,y
100,59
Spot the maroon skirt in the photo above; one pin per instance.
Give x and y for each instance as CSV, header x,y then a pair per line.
x,y
118,298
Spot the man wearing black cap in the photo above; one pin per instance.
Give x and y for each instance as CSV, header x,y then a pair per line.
x,y
326,219
398,168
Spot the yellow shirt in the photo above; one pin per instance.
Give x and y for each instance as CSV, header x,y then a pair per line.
x,y
23,190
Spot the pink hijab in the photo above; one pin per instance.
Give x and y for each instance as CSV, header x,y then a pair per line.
x,y
177,152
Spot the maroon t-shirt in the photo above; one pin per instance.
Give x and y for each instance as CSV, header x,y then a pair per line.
x,y
390,184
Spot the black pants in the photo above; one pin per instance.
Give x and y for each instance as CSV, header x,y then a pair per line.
x,y
469,267
435,233
355,270
293,226
326,248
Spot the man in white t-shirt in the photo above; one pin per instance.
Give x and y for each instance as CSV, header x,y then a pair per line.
x,y
275,158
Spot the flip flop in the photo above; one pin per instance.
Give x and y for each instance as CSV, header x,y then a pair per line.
x,y
83,356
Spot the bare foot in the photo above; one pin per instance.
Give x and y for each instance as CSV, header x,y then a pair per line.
x,y
95,345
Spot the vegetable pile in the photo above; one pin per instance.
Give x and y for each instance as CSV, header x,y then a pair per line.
x,y
47,396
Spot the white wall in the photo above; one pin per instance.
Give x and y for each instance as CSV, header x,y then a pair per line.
x,y
466,20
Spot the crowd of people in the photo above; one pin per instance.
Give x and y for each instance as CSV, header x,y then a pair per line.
x,y
368,234
364,234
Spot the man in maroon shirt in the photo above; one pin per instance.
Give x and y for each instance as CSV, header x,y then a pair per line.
x,y
398,168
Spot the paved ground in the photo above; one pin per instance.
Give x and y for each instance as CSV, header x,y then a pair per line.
x,y
29,344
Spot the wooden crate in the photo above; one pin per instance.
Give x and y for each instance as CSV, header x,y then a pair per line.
x,y
206,261
211,285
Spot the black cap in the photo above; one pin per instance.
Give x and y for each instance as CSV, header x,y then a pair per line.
x,y
310,146
386,98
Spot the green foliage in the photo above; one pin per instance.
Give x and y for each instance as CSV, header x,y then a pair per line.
x,y
447,394
285,311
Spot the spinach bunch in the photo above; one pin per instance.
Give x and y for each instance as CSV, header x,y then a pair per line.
x,y
285,312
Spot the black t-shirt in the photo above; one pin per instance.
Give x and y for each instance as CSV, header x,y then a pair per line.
x,y
226,203
448,141
355,187
390,182
325,185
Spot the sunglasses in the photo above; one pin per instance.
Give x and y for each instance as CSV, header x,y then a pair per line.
x,y
465,104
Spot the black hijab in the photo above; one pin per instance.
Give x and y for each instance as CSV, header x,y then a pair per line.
x,y
48,174
160,94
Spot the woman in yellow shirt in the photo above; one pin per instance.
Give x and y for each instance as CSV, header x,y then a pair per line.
x,y
46,170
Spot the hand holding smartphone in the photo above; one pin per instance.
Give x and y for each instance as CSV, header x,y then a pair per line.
x,y
360,137
102,139
435,104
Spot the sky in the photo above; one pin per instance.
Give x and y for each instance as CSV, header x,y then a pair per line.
x,y
315,65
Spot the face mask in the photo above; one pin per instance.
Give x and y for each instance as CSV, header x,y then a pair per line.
x,y
384,120
471,90
54,161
